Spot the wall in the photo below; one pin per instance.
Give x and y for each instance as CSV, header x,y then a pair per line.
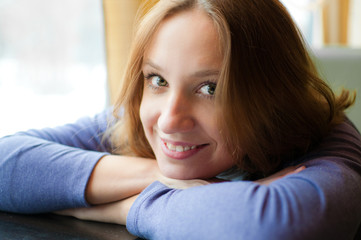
x,y
341,67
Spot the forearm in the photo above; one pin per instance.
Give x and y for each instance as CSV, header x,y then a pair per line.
x,y
305,203
115,212
113,187
118,177
40,176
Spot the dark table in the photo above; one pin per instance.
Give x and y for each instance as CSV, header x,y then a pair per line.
x,y
50,226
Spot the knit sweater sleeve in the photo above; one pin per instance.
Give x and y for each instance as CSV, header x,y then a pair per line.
x,y
320,202
47,170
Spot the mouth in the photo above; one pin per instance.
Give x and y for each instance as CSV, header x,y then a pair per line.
x,y
180,150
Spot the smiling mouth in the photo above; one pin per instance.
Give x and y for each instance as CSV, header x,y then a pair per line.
x,y
179,148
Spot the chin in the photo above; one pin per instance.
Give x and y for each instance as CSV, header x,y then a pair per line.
x,y
177,174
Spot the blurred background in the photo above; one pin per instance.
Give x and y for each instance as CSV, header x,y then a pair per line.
x,y
52,62
61,60
332,29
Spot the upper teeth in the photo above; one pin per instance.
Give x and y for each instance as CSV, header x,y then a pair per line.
x,y
179,148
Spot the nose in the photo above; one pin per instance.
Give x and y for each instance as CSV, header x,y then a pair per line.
x,y
176,116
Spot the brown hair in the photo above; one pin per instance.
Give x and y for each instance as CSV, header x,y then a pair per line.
x,y
272,105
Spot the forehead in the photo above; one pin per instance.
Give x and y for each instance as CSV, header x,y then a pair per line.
x,y
189,34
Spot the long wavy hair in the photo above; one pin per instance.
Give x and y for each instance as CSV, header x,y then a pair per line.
x,y
272,105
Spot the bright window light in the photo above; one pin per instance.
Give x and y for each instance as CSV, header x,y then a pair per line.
x,y
52,62
307,15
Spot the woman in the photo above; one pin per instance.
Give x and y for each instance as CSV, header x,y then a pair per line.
x,y
214,89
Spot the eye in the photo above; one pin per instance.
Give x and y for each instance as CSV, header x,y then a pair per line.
x,y
208,89
156,81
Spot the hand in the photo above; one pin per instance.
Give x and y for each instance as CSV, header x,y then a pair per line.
x,y
182,184
278,175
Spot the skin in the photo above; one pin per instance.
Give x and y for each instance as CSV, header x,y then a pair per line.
x,y
178,108
181,68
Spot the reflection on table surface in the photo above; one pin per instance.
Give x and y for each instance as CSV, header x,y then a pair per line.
x,y
50,226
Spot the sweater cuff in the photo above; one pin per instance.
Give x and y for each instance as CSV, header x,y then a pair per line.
x,y
144,207
85,170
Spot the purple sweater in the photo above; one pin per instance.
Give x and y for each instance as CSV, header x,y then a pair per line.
x,y
47,170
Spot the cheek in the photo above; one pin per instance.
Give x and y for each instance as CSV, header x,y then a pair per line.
x,y
147,113
213,130
144,114
208,122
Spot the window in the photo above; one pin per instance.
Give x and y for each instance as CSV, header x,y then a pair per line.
x,y
307,14
52,62
327,22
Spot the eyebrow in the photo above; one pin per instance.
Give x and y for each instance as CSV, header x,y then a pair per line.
x,y
206,73
198,74
152,64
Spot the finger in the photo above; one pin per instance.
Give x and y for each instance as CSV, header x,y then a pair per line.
x,y
297,170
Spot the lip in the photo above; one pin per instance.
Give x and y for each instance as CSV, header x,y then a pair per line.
x,y
180,155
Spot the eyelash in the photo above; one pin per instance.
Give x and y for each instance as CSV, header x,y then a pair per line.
x,y
209,82
148,78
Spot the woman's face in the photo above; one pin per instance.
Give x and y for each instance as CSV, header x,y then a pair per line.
x,y
181,69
